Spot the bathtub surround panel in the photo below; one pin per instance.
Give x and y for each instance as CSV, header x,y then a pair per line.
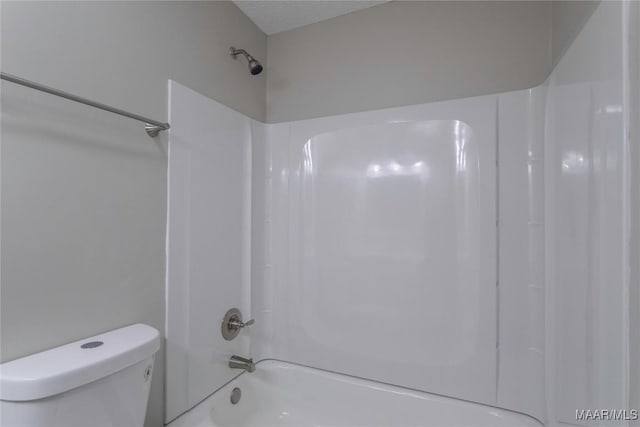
x,y
208,244
586,206
269,194
383,246
269,236
521,345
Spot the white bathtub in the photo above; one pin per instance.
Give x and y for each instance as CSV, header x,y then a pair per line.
x,y
284,394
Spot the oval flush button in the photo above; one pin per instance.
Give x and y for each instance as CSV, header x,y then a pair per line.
x,y
92,344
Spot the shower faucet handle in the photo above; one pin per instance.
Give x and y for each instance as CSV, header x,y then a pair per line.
x,y
232,323
239,324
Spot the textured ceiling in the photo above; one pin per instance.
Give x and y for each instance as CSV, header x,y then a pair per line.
x,y
273,16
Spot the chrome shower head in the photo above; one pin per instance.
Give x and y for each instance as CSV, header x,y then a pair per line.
x,y
255,67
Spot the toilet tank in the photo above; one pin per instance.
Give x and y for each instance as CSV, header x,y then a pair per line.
x,y
99,381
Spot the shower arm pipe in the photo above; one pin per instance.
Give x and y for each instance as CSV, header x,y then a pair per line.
x,y
235,52
152,127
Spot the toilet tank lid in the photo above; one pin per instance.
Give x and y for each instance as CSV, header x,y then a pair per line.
x,y
72,365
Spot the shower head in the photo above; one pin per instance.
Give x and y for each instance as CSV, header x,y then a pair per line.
x,y
255,67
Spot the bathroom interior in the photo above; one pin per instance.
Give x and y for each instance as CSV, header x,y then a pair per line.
x,y
320,213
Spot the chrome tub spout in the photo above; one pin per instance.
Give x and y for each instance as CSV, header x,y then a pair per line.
x,y
237,362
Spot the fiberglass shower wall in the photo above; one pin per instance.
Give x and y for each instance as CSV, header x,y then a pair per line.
x,y
587,207
376,247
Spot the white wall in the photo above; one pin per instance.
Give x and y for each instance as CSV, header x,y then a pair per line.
x,y
83,191
407,52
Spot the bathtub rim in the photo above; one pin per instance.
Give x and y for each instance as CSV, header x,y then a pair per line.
x,y
368,380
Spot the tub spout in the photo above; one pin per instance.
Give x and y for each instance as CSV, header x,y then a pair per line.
x,y
238,362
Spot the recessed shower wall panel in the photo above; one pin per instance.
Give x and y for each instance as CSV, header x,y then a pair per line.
x,y
268,193
208,244
521,287
586,150
390,250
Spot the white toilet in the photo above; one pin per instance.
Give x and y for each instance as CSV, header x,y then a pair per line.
x,y
96,382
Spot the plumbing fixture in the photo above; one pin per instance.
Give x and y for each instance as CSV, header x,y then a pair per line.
x,y
237,362
236,394
232,323
255,67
